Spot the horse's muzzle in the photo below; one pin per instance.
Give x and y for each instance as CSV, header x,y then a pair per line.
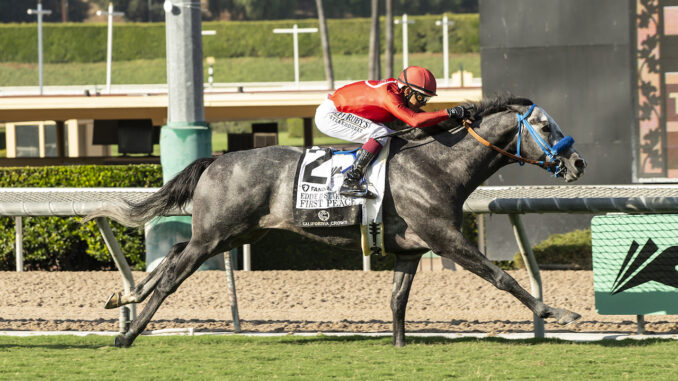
x,y
574,166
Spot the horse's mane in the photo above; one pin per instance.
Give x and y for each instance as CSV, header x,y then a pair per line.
x,y
491,105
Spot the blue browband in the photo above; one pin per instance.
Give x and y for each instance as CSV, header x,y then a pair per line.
x,y
550,152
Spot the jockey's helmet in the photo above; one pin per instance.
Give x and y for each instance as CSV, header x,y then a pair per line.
x,y
419,79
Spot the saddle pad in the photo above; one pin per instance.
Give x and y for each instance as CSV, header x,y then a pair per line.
x,y
317,201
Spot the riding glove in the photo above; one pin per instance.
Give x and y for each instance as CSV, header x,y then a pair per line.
x,y
458,112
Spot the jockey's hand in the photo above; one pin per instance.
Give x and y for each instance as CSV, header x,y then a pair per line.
x,y
459,112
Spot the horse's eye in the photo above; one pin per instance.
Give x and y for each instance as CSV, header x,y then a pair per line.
x,y
546,129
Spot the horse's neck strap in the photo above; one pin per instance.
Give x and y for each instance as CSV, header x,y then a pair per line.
x,y
471,131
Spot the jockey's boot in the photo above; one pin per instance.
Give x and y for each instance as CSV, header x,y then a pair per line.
x,y
353,186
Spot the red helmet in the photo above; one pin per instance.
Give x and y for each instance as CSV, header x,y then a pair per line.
x,y
419,79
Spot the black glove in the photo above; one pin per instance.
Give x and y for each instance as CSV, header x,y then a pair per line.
x,y
459,112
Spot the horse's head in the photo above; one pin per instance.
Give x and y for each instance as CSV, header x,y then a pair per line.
x,y
534,137
540,135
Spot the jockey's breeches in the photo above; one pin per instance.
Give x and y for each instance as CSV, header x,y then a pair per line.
x,y
346,126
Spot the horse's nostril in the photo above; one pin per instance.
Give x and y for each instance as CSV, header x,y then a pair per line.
x,y
580,163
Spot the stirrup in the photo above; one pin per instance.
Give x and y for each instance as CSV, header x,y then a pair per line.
x,y
356,191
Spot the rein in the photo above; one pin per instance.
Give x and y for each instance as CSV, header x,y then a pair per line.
x,y
543,164
552,164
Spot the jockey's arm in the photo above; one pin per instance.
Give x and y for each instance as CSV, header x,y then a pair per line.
x,y
415,119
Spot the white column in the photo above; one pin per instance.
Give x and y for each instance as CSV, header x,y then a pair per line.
x,y
19,236
446,51
295,38
247,257
41,139
367,263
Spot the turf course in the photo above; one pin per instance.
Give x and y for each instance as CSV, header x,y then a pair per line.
x,y
324,357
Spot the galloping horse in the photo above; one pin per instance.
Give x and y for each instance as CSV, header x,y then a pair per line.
x,y
431,172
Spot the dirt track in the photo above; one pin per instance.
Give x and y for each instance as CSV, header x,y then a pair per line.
x,y
311,301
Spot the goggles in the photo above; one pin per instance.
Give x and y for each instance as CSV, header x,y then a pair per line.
x,y
421,98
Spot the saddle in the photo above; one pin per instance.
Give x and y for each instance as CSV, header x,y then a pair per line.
x,y
317,202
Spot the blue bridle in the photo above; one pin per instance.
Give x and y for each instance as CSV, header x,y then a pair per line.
x,y
551,152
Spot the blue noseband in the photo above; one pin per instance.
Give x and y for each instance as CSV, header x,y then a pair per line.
x,y
550,152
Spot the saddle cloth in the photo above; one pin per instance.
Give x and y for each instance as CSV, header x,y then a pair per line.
x,y
316,196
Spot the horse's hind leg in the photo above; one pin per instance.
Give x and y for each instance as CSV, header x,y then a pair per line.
x,y
403,275
175,271
139,293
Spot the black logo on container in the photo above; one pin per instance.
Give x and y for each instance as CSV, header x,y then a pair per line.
x,y
662,269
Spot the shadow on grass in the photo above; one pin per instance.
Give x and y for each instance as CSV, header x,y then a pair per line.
x,y
438,340
386,341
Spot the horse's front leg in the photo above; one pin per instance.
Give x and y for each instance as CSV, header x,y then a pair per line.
x,y
450,243
403,274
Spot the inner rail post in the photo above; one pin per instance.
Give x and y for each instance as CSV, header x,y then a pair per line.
x,y
229,262
123,267
19,241
531,266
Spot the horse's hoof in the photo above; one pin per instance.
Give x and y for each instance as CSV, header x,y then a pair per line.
x,y
113,301
121,341
568,318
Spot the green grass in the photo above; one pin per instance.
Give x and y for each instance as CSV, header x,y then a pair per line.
x,y
246,69
323,357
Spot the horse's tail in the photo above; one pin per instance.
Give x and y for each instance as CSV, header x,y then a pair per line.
x,y
173,195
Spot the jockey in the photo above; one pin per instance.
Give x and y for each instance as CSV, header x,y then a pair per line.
x,y
357,113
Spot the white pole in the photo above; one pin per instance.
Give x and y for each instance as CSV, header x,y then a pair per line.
x,y
404,21
446,49
295,37
40,44
295,33
109,43
446,52
39,12
19,236
246,257
109,48
405,45
367,263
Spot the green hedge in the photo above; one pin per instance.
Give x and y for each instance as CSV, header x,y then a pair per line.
x,y
87,42
57,243
568,250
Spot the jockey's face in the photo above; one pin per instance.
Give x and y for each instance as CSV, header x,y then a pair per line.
x,y
415,100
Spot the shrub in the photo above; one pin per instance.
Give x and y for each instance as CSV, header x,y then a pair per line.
x,y
570,250
58,243
79,42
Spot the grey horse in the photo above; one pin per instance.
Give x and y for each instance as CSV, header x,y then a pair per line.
x,y
238,196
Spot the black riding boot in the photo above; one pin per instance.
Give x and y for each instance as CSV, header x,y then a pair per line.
x,y
353,185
